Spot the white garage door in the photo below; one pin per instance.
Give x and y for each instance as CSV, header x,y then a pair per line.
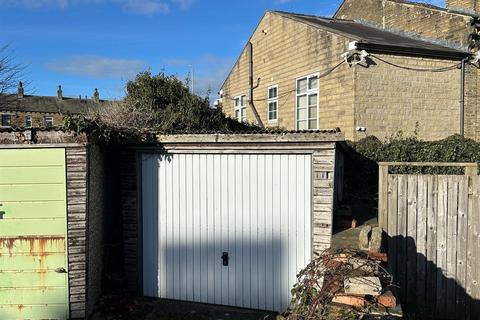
x,y
225,229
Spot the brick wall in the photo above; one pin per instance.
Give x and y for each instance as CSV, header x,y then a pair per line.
x,y
389,99
287,51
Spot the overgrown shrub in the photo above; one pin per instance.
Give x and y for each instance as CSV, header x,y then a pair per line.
x,y
154,104
361,169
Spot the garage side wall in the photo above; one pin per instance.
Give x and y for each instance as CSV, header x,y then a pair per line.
x,y
76,162
323,198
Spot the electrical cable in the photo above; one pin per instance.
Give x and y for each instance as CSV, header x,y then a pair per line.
x,y
444,69
328,72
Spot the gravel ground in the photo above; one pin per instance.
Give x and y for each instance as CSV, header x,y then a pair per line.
x,y
129,308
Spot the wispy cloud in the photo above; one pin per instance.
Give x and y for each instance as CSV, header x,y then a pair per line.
x,y
146,7
184,4
97,67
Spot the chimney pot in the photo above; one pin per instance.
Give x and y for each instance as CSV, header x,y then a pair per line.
x,y
96,95
20,90
60,93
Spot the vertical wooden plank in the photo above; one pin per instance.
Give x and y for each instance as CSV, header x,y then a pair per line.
x,y
411,242
441,245
451,245
475,245
392,224
432,202
239,205
422,241
402,237
462,246
382,196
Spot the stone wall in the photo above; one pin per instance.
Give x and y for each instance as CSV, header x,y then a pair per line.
x,y
423,20
38,119
285,51
389,100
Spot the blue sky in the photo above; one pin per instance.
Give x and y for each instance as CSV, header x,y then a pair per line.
x,y
87,44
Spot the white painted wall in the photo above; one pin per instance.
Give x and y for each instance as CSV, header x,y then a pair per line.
x,y
256,207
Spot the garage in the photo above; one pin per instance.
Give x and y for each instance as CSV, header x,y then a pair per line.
x,y
231,219
51,231
33,252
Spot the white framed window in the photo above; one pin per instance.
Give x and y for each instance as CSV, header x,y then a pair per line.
x,y
28,122
6,120
272,103
240,104
48,121
307,103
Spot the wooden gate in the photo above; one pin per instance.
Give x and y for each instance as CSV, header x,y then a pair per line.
x,y
433,224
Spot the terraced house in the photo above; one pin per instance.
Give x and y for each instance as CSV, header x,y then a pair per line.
x,y
31,111
378,67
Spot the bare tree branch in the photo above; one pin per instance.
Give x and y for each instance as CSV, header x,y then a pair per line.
x,y
11,72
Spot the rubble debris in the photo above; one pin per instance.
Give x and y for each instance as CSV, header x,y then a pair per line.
x,y
349,300
363,286
364,237
346,279
376,238
387,299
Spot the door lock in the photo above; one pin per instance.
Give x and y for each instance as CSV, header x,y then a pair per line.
x,y
225,259
60,270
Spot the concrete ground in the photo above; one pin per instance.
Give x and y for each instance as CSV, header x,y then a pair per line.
x,y
156,309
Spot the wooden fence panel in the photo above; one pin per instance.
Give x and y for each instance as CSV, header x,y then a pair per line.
x,y
433,223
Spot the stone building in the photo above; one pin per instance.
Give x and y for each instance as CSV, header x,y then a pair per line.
x,y
361,71
30,111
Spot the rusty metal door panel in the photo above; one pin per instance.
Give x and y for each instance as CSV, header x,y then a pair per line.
x,y
34,296
29,278
33,228
24,227
50,311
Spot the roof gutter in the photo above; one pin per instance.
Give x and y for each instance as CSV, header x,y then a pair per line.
x,y
414,52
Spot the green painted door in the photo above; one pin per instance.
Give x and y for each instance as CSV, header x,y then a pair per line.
x,y
33,229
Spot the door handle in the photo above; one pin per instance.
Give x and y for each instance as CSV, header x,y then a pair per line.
x,y
60,270
225,259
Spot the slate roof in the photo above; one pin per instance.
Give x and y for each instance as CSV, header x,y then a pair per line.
x,y
44,104
368,36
